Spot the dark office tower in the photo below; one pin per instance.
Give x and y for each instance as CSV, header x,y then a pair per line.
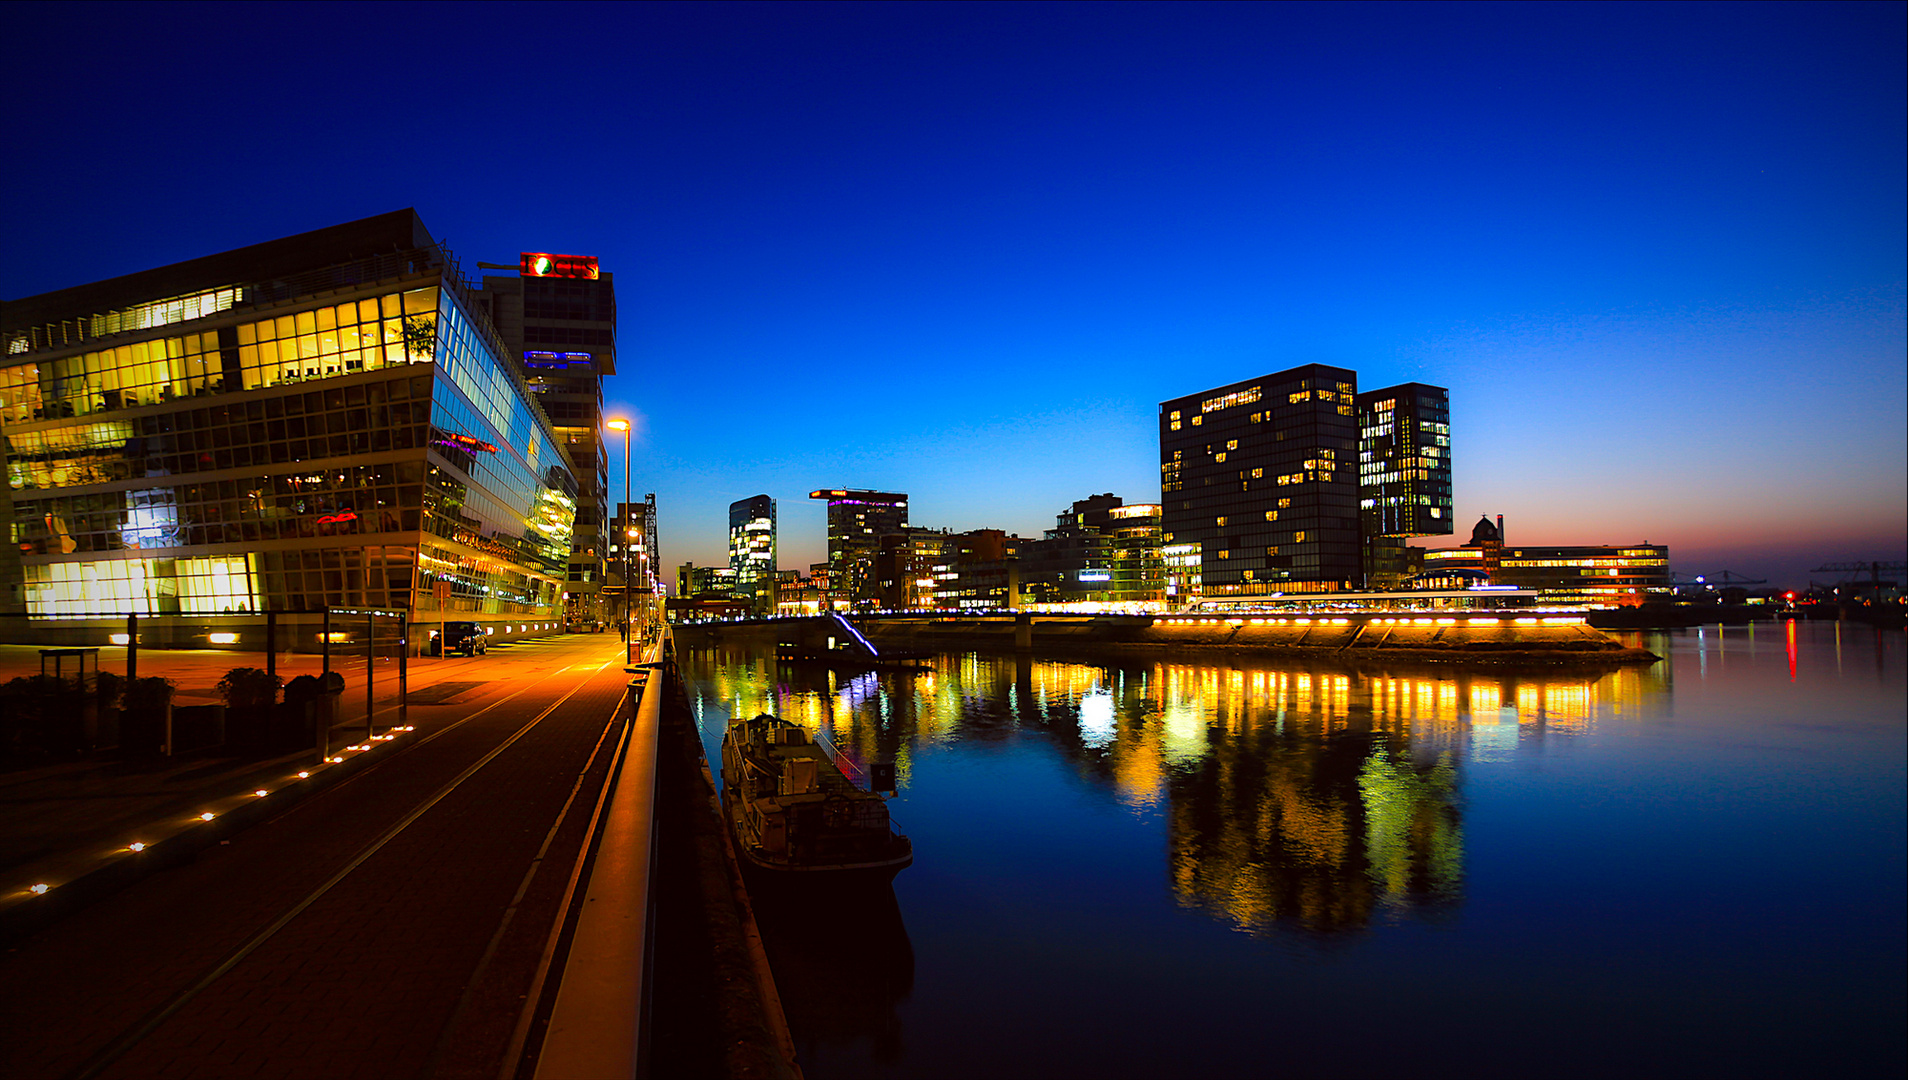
x,y
1404,474
752,551
856,522
557,317
1258,486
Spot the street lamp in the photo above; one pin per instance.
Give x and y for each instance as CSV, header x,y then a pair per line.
x,y
623,426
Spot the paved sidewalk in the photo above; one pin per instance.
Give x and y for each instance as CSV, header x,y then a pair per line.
x,y
66,822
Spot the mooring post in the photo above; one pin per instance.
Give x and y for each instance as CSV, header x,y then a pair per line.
x,y
324,638
132,647
271,643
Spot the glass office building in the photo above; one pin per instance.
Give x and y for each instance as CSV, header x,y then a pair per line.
x,y
1259,486
1404,475
752,552
325,419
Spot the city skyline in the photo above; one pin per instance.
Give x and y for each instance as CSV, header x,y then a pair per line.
x,y
1655,253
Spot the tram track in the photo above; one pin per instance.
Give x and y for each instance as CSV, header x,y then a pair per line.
x,y
457,860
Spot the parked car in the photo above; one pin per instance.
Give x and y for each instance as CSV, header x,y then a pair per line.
x,y
467,638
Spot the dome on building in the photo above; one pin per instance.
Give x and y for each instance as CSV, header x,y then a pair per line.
x,y
1484,531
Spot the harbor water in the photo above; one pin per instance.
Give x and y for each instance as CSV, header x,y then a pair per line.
x,y
1192,866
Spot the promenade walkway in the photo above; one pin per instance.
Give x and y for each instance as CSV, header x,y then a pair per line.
x,y
388,925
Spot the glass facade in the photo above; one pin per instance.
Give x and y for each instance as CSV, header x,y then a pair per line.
x,y
366,449
752,551
1404,461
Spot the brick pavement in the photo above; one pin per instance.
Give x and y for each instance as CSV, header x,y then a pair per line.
x,y
364,981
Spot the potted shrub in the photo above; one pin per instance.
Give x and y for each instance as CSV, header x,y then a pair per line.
x,y
249,695
110,689
145,715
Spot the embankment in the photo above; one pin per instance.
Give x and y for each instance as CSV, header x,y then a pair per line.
x,y
1354,641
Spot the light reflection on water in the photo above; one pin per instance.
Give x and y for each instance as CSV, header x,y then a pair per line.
x,y
1070,818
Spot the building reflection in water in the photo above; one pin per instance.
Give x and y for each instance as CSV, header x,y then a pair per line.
x,y
1306,799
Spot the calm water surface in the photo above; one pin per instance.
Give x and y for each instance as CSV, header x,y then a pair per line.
x,y
1179,867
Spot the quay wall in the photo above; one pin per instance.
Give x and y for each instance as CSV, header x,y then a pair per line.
x,y
1439,639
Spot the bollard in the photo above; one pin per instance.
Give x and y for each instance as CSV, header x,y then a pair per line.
x,y
132,647
271,643
404,655
370,656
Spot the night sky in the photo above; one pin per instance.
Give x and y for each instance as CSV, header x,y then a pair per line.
x,y
1656,252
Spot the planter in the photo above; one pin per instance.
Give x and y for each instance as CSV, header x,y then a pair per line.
x,y
248,728
195,727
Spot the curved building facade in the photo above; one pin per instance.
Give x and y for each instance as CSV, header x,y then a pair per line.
x,y
325,419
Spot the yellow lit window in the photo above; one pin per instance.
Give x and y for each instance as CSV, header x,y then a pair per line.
x,y
1271,515
1221,520
1198,420
1298,537
1232,444
1285,504
1258,474
1220,456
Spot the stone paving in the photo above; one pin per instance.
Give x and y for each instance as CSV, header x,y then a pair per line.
x,y
415,962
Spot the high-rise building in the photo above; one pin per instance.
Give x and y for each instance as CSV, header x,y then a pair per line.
x,y
1258,486
857,520
324,419
557,317
1404,474
752,551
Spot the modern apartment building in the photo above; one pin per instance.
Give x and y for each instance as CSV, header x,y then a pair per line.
x,y
1259,486
857,520
324,419
557,318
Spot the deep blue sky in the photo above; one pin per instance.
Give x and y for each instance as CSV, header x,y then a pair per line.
x,y
1655,251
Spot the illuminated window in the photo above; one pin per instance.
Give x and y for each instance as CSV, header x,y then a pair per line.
x,y
1221,520
1232,444
1271,515
1198,420
1220,456
1298,537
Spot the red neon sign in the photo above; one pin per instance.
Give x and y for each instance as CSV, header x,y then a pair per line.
x,y
544,264
467,442
339,518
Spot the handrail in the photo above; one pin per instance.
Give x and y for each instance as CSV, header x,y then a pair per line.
x,y
596,1023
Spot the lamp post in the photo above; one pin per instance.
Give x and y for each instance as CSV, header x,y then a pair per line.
x,y
628,586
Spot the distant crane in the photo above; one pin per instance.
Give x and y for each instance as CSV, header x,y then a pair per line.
x,y
1872,569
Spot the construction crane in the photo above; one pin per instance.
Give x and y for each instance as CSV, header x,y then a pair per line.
x,y
1872,569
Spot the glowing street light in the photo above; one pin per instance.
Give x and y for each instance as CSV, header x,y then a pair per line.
x,y
628,590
